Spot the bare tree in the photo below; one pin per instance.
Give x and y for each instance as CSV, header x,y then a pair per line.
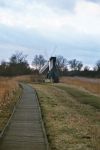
x,y
98,65
75,65
38,61
61,62
35,62
17,58
86,68
79,65
18,64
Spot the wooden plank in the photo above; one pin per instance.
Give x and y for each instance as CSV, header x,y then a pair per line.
x,y
25,130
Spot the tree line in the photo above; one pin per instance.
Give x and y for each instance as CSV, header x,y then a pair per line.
x,y
18,65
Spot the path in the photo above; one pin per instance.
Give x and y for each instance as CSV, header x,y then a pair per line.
x,y
25,131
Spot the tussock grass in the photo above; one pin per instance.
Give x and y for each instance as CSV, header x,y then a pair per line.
x,y
9,93
70,123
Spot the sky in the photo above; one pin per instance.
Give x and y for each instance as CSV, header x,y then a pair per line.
x,y
70,28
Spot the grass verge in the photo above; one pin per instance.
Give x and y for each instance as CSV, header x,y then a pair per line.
x,y
71,124
82,96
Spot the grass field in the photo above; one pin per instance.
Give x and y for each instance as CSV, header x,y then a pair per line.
x,y
71,110
92,85
71,116
9,93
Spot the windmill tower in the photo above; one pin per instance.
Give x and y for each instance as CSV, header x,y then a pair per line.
x,y
50,69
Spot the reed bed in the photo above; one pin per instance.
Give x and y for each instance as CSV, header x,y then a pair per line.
x,y
7,90
9,93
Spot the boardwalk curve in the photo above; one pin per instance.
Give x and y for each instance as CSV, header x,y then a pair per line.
x,y
25,131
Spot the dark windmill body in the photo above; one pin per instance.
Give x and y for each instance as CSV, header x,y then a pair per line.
x,y
50,69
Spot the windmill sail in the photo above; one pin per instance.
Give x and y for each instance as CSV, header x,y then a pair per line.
x,y
45,67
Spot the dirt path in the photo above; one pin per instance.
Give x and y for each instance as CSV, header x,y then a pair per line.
x,y
25,131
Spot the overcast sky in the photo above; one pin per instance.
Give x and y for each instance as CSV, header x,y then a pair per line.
x,y
51,27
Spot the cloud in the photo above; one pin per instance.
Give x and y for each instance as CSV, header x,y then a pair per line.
x,y
73,26
94,1
85,19
62,4
32,42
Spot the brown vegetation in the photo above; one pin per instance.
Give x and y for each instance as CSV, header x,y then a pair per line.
x,y
71,124
9,93
92,85
23,78
36,78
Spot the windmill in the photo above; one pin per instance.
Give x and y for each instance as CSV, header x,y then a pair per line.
x,y
50,69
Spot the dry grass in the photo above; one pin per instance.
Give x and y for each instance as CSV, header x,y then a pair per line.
x,y
9,92
92,85
23,78
30,78
81,95
70,124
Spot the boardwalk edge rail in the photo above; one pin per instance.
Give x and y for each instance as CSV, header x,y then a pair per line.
x,y
43,126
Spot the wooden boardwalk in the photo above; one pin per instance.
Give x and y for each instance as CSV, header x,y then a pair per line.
x,y
25,131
